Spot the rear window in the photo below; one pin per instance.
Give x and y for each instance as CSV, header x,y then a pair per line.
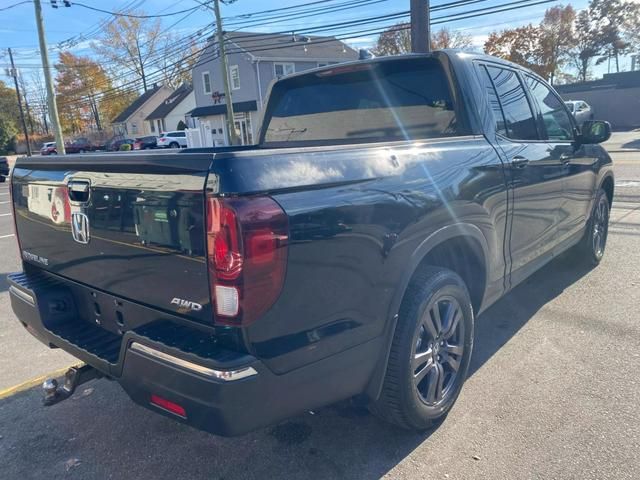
x,y
393,100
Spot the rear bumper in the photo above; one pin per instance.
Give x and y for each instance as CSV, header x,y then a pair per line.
x,y
222,392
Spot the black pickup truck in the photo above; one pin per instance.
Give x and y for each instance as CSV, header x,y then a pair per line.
x,y
388,203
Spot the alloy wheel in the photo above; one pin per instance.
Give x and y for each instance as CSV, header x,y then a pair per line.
x,y
600,227
438,350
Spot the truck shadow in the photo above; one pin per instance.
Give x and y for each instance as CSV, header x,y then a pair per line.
x,y
104,435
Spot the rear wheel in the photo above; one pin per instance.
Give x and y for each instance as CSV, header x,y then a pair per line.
x,y
591,248
430,353
174,145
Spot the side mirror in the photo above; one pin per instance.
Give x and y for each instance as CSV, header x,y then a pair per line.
x,y
595,131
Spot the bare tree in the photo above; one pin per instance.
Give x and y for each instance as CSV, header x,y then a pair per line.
x,y
39,94
396,40
445,38
130,45
176,64
588,44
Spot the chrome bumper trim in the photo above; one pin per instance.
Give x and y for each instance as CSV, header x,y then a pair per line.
x,y
225,375
24,296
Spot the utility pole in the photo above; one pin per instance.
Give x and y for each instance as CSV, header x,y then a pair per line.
x,y
231,127
51,98
14,74
420,26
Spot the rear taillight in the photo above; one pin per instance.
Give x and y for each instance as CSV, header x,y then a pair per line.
x,y
247,256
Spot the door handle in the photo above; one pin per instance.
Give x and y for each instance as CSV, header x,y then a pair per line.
x,y
79,190
519,162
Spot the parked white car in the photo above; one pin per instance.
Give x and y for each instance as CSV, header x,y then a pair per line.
x,y
175,139
581,110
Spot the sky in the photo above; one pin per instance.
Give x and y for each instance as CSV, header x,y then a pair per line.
x,y
81,25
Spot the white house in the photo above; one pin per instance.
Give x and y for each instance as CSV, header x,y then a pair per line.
x,y
172,110
131,122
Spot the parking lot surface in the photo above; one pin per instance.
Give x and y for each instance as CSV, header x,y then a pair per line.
x,y
553,392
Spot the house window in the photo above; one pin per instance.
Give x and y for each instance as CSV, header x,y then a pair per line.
x,y
206,82
134,128
234,74
153,126
282,69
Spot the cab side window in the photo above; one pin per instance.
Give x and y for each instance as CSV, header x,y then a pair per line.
x,y
554,114
518,117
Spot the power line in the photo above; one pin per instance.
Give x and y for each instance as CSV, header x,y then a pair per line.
x,y
358,33
15,5
133,15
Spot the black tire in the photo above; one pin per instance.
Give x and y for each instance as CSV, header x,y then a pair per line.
x,y
591,248
174,145
2,179
418,352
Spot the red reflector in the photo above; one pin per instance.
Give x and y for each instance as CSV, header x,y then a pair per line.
x,y
168,406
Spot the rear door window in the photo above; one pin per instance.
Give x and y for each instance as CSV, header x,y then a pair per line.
x,y
519,119
391,100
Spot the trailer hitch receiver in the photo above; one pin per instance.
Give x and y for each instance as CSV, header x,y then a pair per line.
x,y
75,376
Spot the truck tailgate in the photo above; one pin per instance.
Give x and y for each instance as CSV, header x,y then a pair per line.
x,y
127,224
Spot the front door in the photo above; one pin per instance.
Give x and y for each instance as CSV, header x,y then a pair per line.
x,y
534,173
243,127
578,163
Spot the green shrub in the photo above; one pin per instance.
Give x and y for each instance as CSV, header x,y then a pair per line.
x,y
125,147
8,133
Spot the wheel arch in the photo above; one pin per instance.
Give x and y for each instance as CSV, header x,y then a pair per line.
x,y
454,247
607,185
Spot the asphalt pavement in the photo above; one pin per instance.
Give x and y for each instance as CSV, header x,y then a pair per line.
x,y
553,392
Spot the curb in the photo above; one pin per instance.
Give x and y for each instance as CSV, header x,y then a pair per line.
x,y
8,392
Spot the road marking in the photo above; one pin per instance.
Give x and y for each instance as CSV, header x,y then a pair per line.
x,y
2,203
4,214
627,183
7,193
7,236
7,392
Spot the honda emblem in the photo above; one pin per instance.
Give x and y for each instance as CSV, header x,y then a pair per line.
x,y
80,227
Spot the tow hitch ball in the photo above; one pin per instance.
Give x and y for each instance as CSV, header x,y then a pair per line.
x,y
75,376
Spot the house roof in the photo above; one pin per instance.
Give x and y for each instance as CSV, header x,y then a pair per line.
x,y
171,102
238,107
135,105
293,46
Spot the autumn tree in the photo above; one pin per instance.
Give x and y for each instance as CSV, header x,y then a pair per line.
x,y
522,45
130,45
8,118
557,37
79,82
115,101
396,40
